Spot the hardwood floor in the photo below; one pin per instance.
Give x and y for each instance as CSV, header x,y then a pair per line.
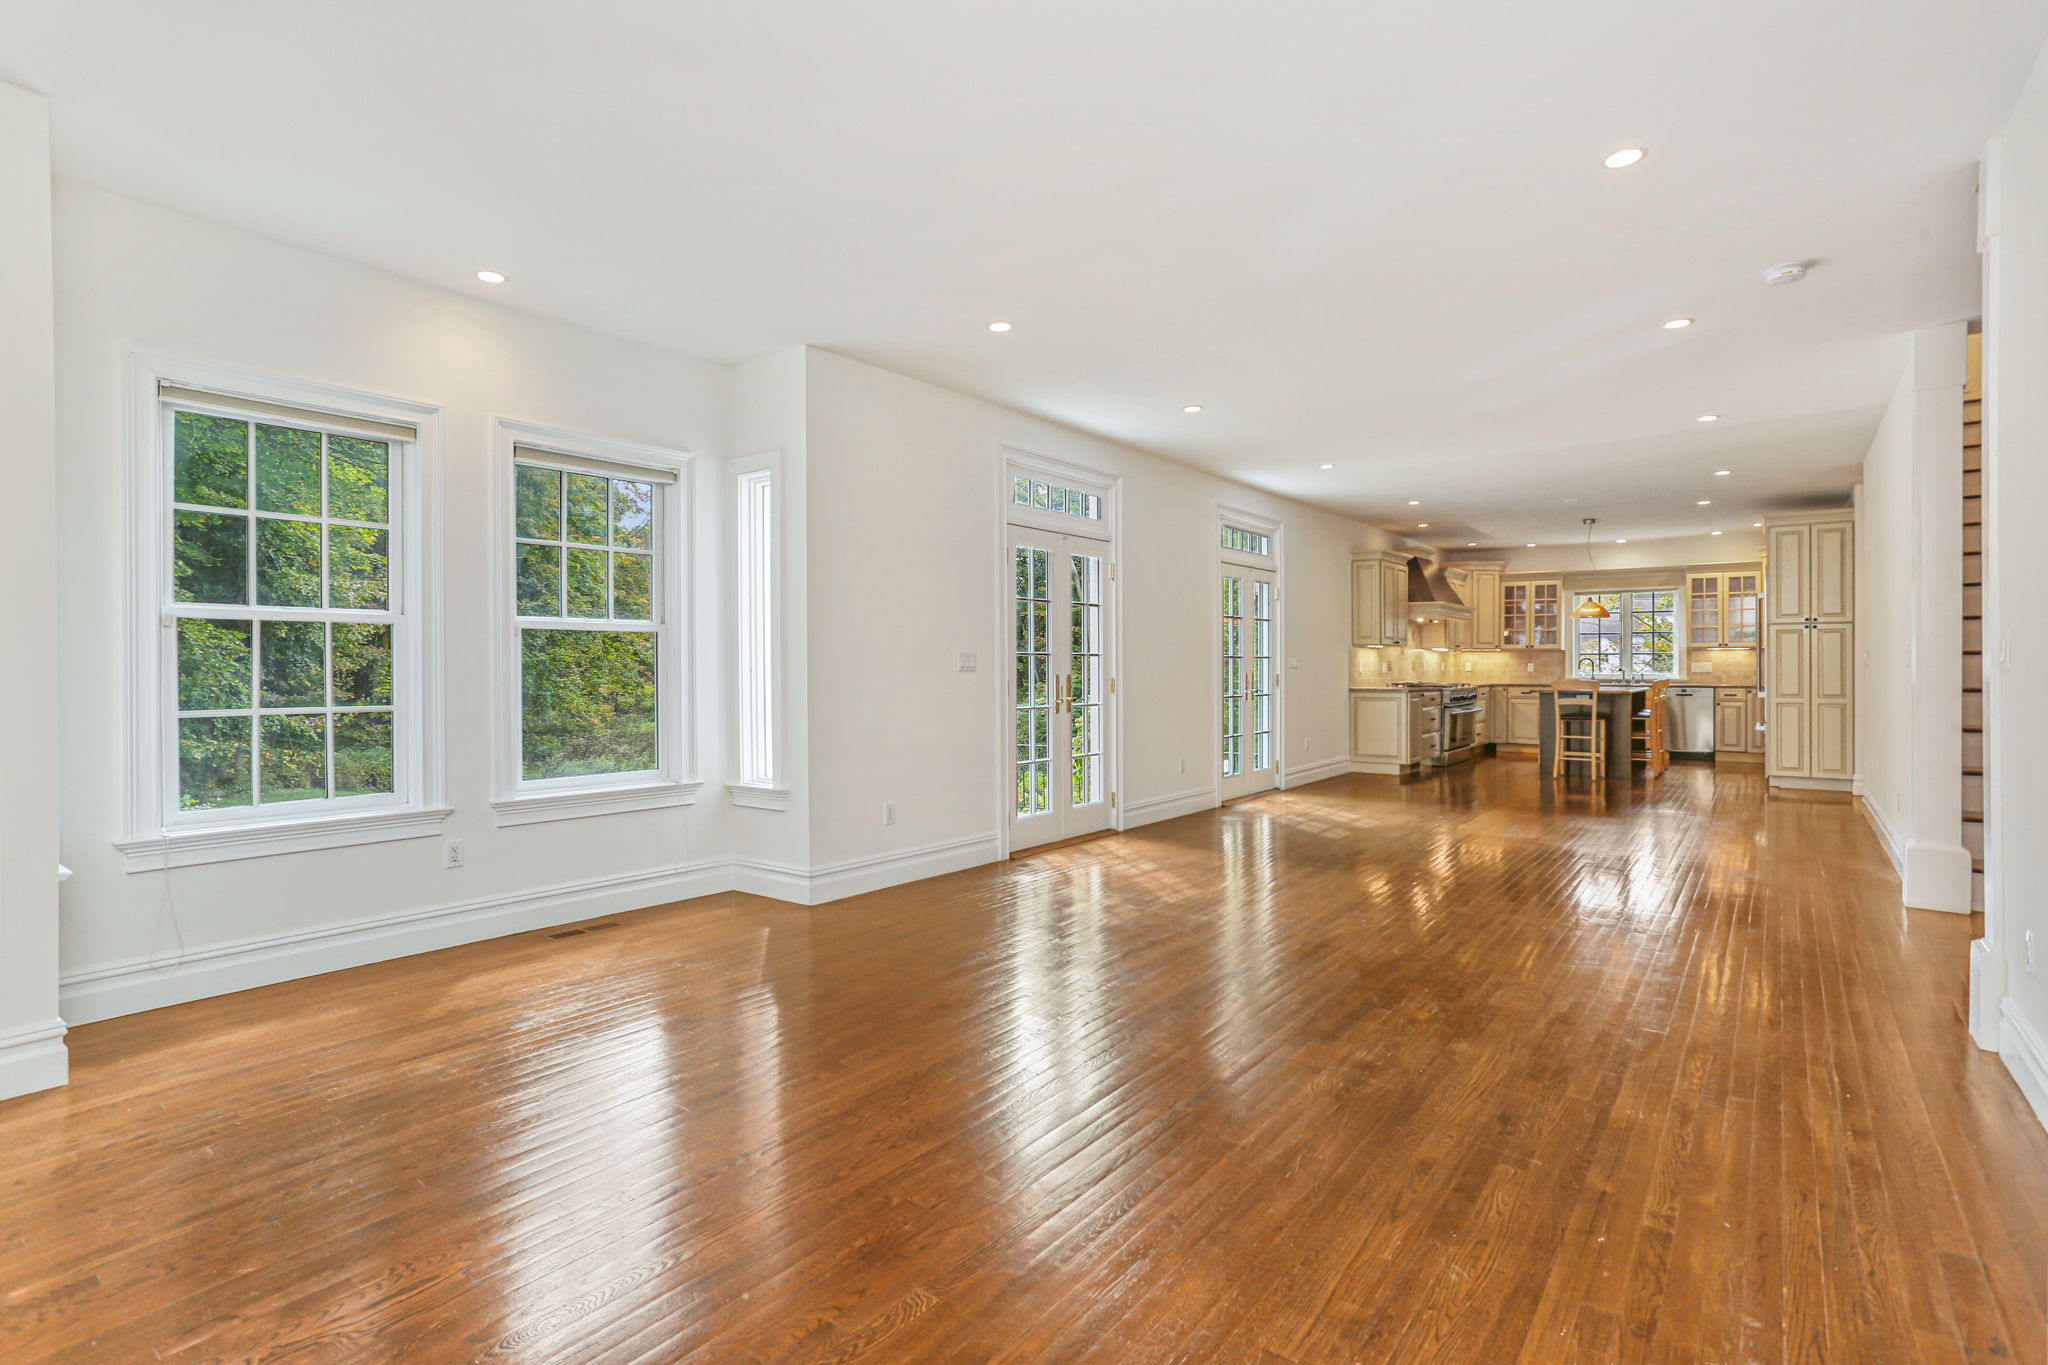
x,y
1460,1070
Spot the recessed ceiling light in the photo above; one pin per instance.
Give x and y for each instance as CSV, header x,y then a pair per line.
x,y
1530,546
1415,502
1705,416
1706,502
1627,156
1422,526
999,326
1326,466
1471,544
1192,407
1723,473
1713,533
490,277
1622,541
1677,323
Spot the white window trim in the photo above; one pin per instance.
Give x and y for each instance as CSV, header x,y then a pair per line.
x,y
154,839
1570,600
1253,522
757,620
674,783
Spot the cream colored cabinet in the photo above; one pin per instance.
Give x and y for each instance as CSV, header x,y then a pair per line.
x,y
1379,728
1379,599
1524,711
1757,731
1809,650
1531,614
1731,720
1482,581
1723,610
1813,567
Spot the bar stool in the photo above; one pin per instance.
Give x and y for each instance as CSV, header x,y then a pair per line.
x,y
1648,739
1580,737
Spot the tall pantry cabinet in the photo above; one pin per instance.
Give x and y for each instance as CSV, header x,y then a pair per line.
x,y
1810,649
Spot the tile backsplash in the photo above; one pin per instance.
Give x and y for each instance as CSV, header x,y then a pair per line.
x,y
1378,667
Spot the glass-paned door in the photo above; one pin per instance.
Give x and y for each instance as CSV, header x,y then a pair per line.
x,y
1059,689
1249,757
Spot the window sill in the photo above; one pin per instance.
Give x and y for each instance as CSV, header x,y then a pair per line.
x,y
227,843
575,805
757,798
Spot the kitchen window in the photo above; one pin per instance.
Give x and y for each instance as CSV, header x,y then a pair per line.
x,y
1638,638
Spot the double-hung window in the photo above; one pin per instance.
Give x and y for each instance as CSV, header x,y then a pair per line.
x,y
595,717
278,560
1637,638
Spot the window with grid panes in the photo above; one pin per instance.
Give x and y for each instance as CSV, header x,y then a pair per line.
x,y
1636,639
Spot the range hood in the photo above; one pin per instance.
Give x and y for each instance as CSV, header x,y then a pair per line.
x,y
1431,595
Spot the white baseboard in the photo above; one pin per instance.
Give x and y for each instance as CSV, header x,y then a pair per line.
x,y
2026,1057
1814,784
858,876
33,1059
1987,992
1885,838
1316,772
221,969
1169,807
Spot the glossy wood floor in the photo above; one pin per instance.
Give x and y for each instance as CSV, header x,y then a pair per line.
x,y
1451,1071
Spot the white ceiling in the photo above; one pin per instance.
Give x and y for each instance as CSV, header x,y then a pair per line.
x,y
1372,235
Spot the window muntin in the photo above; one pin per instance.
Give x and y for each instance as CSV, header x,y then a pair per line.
x,y
1053,497
589,565
1638,638
288,656
1247,542
1247,675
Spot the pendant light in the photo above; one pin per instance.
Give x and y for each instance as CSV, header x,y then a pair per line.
x,y
1589,608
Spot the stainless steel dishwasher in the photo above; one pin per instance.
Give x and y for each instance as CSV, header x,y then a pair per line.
x,y
1689,720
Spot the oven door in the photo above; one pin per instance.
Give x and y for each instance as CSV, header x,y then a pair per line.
x,y
1461,732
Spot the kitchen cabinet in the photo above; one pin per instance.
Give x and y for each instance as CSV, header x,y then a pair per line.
x,y
1809,651
1484,595
1731,720
1531,614
1812,559
1723,610
1756,722
1393,729
1379,599
1523,710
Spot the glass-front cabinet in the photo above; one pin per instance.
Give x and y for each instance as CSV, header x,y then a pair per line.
x,y
1724,610
1531,615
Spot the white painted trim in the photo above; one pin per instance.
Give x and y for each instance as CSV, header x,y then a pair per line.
x,y
755,616
675,551
858,876
1885,837
1987,992
1159,808
1306,773
415,532
130,987
574,805
1813,784
191,847
2026,1057
33,1058
757,798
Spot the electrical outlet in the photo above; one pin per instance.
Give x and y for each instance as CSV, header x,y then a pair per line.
x,y
1530,667
2028,938
451,853
1183,765
1468,665
1304,746
968,662
888,812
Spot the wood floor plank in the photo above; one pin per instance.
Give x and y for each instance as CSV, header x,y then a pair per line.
x,y
1480,1067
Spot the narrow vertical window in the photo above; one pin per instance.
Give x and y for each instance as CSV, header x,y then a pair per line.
x,y
754,626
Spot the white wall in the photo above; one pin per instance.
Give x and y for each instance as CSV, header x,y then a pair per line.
x,y
905,488
1908,636
32,1054
132,275
2009,1005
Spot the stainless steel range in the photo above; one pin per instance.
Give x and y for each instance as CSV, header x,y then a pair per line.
x,y
1464,710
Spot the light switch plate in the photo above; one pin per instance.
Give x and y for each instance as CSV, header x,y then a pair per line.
x,y
968,662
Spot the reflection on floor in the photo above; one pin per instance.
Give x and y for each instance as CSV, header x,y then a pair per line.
x,y
1466,1070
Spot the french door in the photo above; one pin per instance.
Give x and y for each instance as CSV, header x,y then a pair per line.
x,y
1250,757
1059,698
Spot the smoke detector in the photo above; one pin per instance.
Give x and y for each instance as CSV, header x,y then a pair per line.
x,y
1786,274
